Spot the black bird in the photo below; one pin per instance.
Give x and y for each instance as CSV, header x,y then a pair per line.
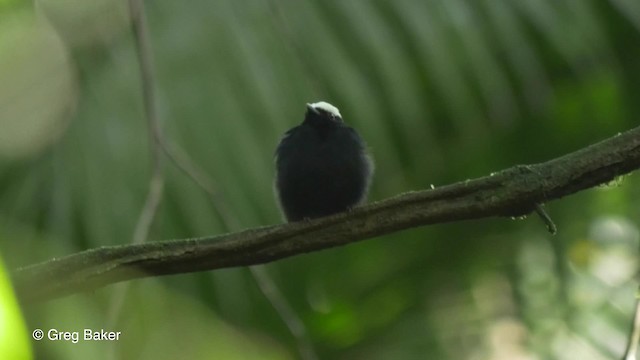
x,y
322,166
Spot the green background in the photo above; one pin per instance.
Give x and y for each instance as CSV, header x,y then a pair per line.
x,y
442,91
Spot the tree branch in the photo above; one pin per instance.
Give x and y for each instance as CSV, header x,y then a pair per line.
x,y
512,192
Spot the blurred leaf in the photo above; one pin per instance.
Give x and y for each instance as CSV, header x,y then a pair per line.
x,y
100,20
14,343
37,91
442,91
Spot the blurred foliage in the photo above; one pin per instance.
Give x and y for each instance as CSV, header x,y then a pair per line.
x,y
442,90
36,53
14,343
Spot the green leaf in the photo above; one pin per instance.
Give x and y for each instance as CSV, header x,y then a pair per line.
x,y
14,343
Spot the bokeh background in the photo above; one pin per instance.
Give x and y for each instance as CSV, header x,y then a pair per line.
x,y
442,90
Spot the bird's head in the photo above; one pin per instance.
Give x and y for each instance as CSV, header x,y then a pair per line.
x,y
322,113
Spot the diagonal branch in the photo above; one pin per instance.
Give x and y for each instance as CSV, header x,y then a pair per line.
x,y
511,192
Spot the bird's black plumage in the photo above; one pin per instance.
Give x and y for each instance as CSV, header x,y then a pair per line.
x,y
322,166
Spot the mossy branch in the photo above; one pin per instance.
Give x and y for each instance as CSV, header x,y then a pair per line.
x,y
512,192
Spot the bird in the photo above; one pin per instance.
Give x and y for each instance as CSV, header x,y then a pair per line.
x,y
323,166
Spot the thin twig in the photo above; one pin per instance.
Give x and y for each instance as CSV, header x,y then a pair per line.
x,y
266,285
634,335
145,58
283,308
551,226
156,183
184,163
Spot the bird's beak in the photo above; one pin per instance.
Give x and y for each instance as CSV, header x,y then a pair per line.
x,y
312,109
